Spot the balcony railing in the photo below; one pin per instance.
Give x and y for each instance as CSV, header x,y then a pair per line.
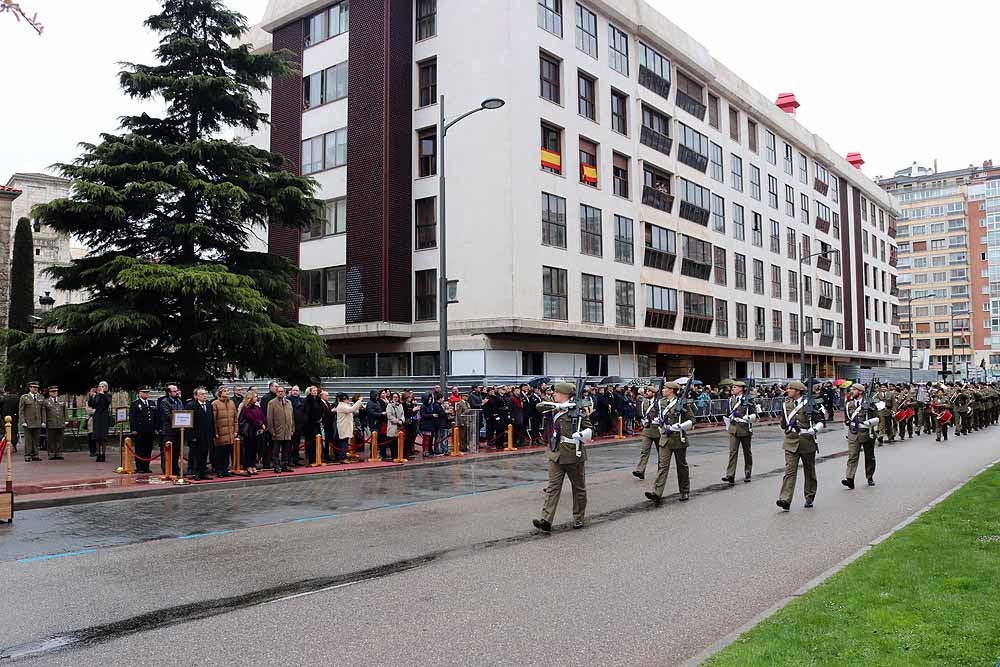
x,y
658,259
694,213
820,186
695,269
697,323
692,158
825,302
895,350
822,225
826,340
691,105
654,82
892,231
660,319
657,199
655,140
823,262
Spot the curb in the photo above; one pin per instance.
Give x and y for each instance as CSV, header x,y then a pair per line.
x,y
705,654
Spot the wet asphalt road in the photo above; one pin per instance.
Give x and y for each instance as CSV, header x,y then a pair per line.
x,y
463,580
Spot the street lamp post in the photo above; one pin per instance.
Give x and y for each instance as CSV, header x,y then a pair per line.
x,y
46,302
488,104
802,319
909,324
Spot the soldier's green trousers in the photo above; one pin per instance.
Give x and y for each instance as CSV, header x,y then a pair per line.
x,y
854,454
736,442
791,472
32,436
55,441
577,479
887,427
663,469
646,444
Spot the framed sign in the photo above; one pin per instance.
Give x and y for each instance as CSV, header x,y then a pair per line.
x,y
182,419
121,415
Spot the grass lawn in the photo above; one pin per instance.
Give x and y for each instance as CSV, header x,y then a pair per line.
x,y
929,595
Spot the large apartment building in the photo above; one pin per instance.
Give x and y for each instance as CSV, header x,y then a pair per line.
x,y
634,209
945,264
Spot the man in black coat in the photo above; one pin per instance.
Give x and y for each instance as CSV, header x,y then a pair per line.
x,y
202,435
169,403
143,417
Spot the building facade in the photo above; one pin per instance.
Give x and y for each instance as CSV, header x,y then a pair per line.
x,y
944,264
634,209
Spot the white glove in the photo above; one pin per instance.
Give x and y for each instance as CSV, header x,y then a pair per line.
x,y
583,436
751,418
739,420
870,422
43,424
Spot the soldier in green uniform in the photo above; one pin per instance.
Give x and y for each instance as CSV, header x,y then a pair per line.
x,y
904,400
977,406
649,411
886,414
939,404
55,423
922,400
674,421
31,415
567,429
861,420
741,414
962,402
801,424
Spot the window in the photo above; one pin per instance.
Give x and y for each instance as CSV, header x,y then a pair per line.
x,y
332,220
739,230
427,19
719,257
588,162
690,96
661,248
317,26
770,143
624,243
776,334
335,285
551,148
804,209
758,276
426,223
617,50
755,182
586,96
586,30
839,299
620,175
624,303
806,250
428,82
775,237
698,313
619,112
693,149
663,302
553,220
789,201
325,86
803,169
323,287
835,224
425,288
590,230
718,214
734,123
740,270
721,318
791,244
698,198
328,23
324,152
793,328
554,295
655,63
549,77
593,298
772,189
427,142
807,291
737,172
713,111
715,159
789,167
697,262
757,229
741,320
752,135
775,282
822,174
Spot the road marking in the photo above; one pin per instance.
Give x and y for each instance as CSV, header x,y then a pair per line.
x,y
213,532
319,590
315,518
65,554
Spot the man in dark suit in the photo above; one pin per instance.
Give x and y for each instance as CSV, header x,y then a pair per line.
x,y
143,417
202,435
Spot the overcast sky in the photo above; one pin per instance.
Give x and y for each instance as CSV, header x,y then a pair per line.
x,y
897,80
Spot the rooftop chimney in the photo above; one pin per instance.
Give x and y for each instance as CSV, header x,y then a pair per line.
x,y
855,160
787,103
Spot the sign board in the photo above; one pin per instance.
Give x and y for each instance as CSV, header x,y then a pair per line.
x,y
121,415
182,419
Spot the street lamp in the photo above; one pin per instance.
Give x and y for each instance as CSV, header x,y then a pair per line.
x,y
909,324
489,104
46,302
802,319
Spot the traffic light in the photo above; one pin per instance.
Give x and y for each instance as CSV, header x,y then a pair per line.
x,y
944,367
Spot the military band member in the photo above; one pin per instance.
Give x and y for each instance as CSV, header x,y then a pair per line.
x,y
905,400
886,415
649,412
55,423
922,403
742,412
31,413
961,402
939,404
567,430
861,420
801,426
674,421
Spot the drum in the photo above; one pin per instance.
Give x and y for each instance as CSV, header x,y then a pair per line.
x,y
944,417
904,414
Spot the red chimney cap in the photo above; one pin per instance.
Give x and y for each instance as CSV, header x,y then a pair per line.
x,y
855,159
787,102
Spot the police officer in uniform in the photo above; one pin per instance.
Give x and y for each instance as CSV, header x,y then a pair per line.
x,y
31,413
567,429
801,424
741,414
674,423
886,414
55,423
861,419
649,412
143,418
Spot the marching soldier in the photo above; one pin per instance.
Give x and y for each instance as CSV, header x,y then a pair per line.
x,y
886,415
904,401
860,422
977,406
567,430
922,402
939,405
801,425
30,410
962,402
674,421
650,410
55,423
742,414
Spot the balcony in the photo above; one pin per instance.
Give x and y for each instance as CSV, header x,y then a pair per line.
x,y
826,340
691,158
892,231
658,199
695,269
694,213
658,259
823,262
822,225
825,302
656,83
691,105
820,187
895,350
655,140
660,319
697,323
893,291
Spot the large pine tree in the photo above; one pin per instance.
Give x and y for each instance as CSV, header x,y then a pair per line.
x,y
22,279
167,208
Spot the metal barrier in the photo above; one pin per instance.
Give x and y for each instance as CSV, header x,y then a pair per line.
x,y
470,423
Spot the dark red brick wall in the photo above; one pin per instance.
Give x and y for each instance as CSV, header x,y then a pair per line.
x,y
379,158
859,267
847,260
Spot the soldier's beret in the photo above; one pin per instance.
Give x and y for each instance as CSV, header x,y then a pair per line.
x,y
565,388
739,383
857,387
795,384
651,388
672,385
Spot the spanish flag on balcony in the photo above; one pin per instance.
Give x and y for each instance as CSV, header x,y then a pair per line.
x,y
551,160
588,174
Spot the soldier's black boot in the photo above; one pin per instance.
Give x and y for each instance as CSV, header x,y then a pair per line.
x,y
849,483
578,524
639,474
808,504
871,481
655,498
783,504
730,480
542,524
684,496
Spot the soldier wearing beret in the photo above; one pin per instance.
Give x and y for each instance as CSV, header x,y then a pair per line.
x,y
742,412
31,412
649,412
886,414
861,421
675,421
55,422
567,429
801,422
